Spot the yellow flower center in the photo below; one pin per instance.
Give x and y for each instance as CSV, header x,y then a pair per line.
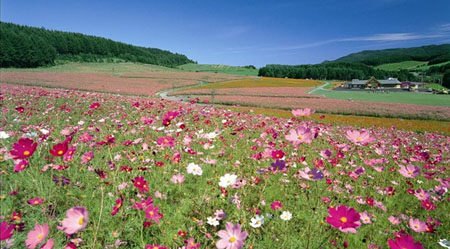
x,y
358,139
36,202
232,239
166,141
300,137
344,219
81,221
310,176
60,152
151,212
26,153
40,236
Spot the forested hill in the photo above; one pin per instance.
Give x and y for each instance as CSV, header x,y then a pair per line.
x,y
23,46
434,54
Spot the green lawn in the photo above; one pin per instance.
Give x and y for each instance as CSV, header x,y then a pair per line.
x,y
97,67
409,65
406,97
214,68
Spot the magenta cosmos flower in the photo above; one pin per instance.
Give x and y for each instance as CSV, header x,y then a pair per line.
x,y
302,112
232,237
141,184
299,136
344,218
59,149
36,236
359,138
404,242
77,219
23,148
166,141
6,231
409,171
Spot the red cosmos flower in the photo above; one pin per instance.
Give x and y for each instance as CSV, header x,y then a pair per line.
x,y
166,122
20,109
344,218
404,242
141,184
428,205
369,201
35,201
6,231
94,105
24,148
59,149
277,154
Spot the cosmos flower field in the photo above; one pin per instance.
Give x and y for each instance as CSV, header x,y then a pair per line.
x,y
93,170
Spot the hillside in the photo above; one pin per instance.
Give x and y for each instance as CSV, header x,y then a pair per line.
x,y
433,54
23,46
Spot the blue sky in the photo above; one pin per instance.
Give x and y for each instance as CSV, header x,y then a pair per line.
x,y
243,32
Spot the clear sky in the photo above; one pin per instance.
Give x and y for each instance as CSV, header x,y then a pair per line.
x,y
243,32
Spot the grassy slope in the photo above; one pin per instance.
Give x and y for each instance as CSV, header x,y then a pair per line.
x,y
261,82
75,67
407,97
213,68
408,65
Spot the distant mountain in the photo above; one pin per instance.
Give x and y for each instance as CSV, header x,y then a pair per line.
x,y
23,46
433,54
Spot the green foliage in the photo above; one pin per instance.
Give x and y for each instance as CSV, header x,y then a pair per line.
x,y
215,68
335,71
408,65
23,46
446,79
378,57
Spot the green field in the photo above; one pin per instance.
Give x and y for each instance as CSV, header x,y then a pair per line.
x,y
214,68
408,65
395,97
97,67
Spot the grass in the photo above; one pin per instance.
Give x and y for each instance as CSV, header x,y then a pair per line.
x,y
409,65
437,87
261,82
395,97
215,68
97,67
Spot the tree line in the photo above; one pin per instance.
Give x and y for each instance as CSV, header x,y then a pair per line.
x,y
23,46
333,71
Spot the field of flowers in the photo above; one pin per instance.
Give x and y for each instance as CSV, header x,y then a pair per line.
x,y
94,170
336,106
127,83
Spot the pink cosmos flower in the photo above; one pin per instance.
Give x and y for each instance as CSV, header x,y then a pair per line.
x,y
417,226
276,205
346,219
299,136
394,220
49,245
166,141
143,204
177,179
409,171
359,138
302,112
6,231
35,201
86,157
422,194
404,242
36,236
365,218
232,237
155,246
152,213
77,219
21,165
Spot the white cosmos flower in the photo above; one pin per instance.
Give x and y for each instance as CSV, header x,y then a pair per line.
x,y
286,215
194,169
257,221
4,135
213,221
44,131
227,180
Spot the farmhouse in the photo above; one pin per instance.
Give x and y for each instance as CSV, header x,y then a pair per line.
x,y
374,83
